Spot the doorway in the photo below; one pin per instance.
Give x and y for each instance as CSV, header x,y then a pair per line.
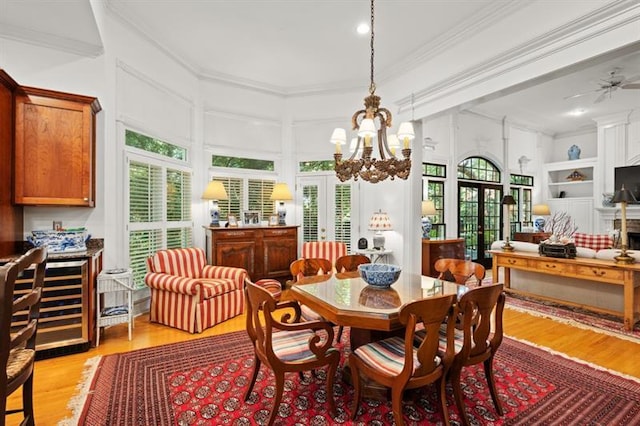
x,y
479,208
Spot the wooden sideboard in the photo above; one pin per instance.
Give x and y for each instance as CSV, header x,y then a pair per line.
x,y
601,271
265,252
433,250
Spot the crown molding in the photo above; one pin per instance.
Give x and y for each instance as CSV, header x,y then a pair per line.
x,y
605,19
253,119
51,41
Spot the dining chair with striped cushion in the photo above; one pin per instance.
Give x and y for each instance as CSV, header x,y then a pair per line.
x,y
330,250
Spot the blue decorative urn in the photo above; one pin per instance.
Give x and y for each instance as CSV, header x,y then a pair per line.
x,y
426,227
574,152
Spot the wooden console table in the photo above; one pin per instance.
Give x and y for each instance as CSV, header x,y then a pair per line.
x,y
432,250
602,271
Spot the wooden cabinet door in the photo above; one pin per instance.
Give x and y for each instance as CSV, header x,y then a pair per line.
x,y
240,254
280,249
54,148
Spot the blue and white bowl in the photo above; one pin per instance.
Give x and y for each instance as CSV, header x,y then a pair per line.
x,y
379,274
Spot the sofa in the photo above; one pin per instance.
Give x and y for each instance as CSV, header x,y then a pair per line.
x,y
190,295
575,290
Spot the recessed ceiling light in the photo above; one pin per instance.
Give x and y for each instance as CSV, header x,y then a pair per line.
x,y
363,28
577,112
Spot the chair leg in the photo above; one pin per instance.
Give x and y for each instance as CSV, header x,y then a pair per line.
x,y
27,401
355,379
331,375
488,372
254,376
339,336
396,405
457,395
278,398
442,394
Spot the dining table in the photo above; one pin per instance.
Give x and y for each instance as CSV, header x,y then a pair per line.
x,y
371,312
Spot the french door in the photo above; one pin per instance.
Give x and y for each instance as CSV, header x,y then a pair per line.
x,y
327,209
479,218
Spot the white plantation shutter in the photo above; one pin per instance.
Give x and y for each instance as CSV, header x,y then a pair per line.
x,y
309,213
232,205
259,192
342,217
159,210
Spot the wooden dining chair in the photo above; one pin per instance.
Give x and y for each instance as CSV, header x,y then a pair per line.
x,y
287,345
20,310
459,270
306,268
478,338
396,363
350,262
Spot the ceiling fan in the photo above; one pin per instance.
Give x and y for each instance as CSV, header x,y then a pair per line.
x,y
614,82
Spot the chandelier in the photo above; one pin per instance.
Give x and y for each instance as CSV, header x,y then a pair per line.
x,y
367,167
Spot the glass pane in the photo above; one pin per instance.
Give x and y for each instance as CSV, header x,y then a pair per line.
x,y
310,213
145,193
316,166
260,197
233,205
242,163
178,196
492,217
179,237
343,214
156,146
476,168
468,219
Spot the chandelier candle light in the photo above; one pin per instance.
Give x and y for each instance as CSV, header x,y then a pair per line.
x,y
507,201
215,191
366,167
623,196
379,222
281,194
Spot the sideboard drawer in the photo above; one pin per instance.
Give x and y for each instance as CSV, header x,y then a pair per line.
x,y
556,268
512,261
596,273
280,233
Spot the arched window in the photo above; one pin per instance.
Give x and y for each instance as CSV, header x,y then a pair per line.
x,y
478,168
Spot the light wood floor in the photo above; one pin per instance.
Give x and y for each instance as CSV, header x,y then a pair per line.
x,y
56,378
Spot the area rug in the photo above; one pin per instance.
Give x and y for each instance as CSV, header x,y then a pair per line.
x,y
202,382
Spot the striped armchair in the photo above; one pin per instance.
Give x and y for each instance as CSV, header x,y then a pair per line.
x,y
188,294
330,250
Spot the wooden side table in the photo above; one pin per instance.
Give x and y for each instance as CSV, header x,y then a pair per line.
x,y
433,250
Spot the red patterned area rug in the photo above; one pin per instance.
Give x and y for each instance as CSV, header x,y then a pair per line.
x,y
202,382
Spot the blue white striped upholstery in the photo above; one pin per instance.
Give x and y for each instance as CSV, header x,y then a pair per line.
x,y
387,355
292,345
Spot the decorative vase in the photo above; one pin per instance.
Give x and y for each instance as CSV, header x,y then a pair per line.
x,y
574,152
539,224
426,227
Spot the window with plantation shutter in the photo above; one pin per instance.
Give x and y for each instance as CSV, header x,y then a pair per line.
x,y
159,205
343,215
232,205
310,213
260,197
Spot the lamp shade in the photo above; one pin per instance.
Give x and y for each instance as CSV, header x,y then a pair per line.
x,y
367,128
623,195
508,200
281,192
406,131
380,222
215,191
541,210
338,136
428,208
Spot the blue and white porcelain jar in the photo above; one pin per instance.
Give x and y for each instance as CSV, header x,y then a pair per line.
x,y
574,152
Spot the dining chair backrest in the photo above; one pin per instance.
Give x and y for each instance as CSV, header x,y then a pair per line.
x,y
307,267
330,250
19,314
459,270
350,262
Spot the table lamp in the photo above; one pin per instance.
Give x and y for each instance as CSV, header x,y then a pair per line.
x,y
281,194
540,210
623,196
428,209
215,191
379,222
507,201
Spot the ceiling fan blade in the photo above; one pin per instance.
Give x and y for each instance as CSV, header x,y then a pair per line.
x,y
577,95
630,80
631,86
601,97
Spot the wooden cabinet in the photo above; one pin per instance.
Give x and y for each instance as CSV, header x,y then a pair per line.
x,y
54,148
433,250
10,214
265,252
